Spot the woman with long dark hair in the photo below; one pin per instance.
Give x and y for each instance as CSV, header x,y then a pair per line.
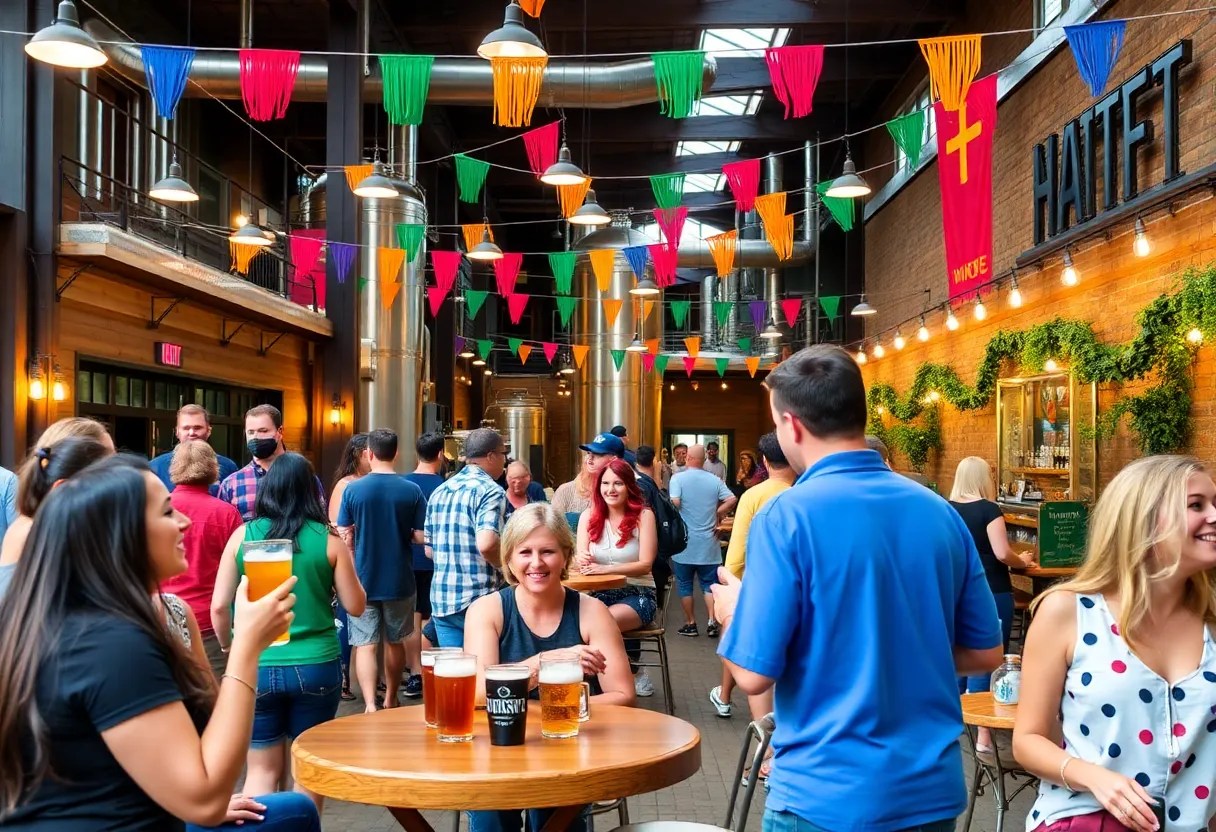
x,y
354,464
299,681
106,720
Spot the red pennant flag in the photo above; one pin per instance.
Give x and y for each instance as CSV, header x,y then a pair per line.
x,y
550,349
964,166
434,299
671,223
524,351
268,78
648,362
446,264
690,364
309,266
664,258
791,308
794,71
506,271
541,144
744,180
515,306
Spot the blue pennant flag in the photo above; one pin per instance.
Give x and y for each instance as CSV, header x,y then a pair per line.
x,y
637,257
1096,46
168,70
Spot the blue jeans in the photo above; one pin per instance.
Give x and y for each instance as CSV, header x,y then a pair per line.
x,y
775,821
449,629
512,821
684,572
285,812
1004,608
292,699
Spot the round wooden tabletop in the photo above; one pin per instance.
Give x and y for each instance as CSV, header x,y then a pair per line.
x,y
594,583
981,709
1046,571
390,758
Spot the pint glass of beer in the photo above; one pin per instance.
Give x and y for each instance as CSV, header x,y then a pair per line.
x,y
455,689
428,683
561,687
507,703
267,565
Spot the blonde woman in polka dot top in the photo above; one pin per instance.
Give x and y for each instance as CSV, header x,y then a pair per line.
x,y
1117,714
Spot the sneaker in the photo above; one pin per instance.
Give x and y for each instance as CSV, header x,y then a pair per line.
x,y
723,708
642,685
412,688
689,630
712,630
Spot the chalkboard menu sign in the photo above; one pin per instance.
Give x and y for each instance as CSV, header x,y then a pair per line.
x,y
1062,527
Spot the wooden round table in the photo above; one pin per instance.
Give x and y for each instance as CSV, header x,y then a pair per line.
x,y
1052,572
391,759
594,583
982,711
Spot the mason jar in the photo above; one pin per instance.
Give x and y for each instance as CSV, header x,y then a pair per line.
x,y
1007,681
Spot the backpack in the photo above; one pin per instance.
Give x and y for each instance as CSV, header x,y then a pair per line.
x,y
672,533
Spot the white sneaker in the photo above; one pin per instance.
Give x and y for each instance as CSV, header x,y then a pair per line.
x,y
642,685
724,709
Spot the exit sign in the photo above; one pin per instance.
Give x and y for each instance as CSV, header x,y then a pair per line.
x,y
170,355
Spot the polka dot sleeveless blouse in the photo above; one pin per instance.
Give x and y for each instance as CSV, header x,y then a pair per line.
x,y
1124,717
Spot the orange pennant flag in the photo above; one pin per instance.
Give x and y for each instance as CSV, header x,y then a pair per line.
x,y
652,346
771,208
570,197
390,261
242,255
953,61
524,351
753,364
693,345
580,354
472,234
388,291
722,248
612,308
647,308
602,262
356,174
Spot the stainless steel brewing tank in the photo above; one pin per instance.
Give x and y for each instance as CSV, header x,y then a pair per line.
x,y
604,397
520,415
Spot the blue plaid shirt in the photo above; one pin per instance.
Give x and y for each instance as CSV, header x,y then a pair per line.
x,y
241,489
458,509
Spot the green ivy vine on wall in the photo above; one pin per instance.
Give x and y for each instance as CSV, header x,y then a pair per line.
x,y
1162,349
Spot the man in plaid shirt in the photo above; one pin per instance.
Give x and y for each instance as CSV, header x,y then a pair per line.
x,y
463,519
264,433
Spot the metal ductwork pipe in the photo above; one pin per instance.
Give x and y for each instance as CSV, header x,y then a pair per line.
x,y
246,15
771,287
567,83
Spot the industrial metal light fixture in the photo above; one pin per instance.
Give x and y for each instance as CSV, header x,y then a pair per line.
x,y
479,362
636,346
590,213
486,250
489,372
1141,246
862,309
512,40
922,334
1069,276
565,367
849,184
771,332
335,410
563,171
466,351
174,187
645,288
64,43
376,185
249,234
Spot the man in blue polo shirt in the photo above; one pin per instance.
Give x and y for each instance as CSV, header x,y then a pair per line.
x,y
863,602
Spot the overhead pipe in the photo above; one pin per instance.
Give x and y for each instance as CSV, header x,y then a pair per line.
x,y
245,12
568,82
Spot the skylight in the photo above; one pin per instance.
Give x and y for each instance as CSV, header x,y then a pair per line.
x,y
693,230
725,42
695,147
702,183
729,105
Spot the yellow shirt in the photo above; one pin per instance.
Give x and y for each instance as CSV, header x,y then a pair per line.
x,y
749,504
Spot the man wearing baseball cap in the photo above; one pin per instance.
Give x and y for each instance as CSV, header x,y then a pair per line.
x,y
621,433
574,497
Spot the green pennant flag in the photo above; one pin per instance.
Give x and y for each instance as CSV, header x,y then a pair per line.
x,y
908,131
483,348
721,364
409,237
566,306
362,283
843,209
618,358
473,300
562,264
679,311
831,306
745,344
679,79
722,311
471,175
515,344
407,78
660,363
668,189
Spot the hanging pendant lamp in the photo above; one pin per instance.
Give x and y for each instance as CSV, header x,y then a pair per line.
x,y
486,250
849,184
251,235
636,346
512,40
863,308
64,43
771,332
173,188
645,288
591,213
563,171
377,185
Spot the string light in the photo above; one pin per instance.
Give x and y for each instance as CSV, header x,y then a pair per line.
x,y
1051,366
981,311
951,321
861,354
923,333
1069,276
1195,336
879,352
899,340
1141,246
1015,296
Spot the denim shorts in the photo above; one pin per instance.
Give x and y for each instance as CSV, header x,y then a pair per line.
x,y
637,598
775,821
707,572
394,618
294,698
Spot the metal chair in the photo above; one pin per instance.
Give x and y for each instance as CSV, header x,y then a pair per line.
x,y
991,768
654,635
622,809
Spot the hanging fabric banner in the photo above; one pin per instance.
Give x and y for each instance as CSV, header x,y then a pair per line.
x,y
781,237
566,306
409,237
842,208
471,175
637,257
671,223
660,363
515,306
484,346
473,300
679,311
722,248
652,346
603,261
541,145
306,252
721,364
406,81
343,255
242,255
506,272
612,308
745,344
618,358
388,292
459,344
570,197
831,307
513,344
791,307
954,62
759,312
307,283
690,364
908,133
771,207
753,364
550,349
167,69
562,265
722,310
794,71
525,350
679,77
964,166
648,362
517,84
446,265
744,180
665,258
268,78
1095,47
693,345
647,308
579,351
472,234
356,174
389,262
668,189
434,299
532,7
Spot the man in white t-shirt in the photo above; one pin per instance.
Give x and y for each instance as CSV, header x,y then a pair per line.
x,y
714,465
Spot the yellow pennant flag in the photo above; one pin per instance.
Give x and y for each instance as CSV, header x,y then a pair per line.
x,y
647,308
652,346
570,197
472,234
612,308
242,255
953,64
516,87
693,345
389,261
753,364
388,291
524,351
580,354
356,174
602,262
722,249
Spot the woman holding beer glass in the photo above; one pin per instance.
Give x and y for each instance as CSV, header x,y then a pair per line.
x,y
524,623
299,678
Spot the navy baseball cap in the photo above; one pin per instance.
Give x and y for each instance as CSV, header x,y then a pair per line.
x,y
619,431
605,443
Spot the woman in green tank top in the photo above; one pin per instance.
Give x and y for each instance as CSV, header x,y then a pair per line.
x,y
299,682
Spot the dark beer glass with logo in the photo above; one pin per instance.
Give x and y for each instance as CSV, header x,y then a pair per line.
x,y
507,703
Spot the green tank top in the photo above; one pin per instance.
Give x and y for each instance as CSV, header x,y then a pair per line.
x,y
314,638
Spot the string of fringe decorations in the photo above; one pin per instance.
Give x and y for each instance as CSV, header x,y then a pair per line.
x,y
268,78
517,83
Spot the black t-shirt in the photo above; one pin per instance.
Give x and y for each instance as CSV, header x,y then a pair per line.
x,y
104,672
977,515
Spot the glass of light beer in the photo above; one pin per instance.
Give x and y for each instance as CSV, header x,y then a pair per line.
x,y
561,687
268,565
428,683
455,690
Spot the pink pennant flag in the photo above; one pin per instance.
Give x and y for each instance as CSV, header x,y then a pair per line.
x,y
794,71
515,306
309,267
690,364
671,223
664,258
791,308
744,180
648,362
550,350
446,265
506,271
541,144
268,78
434,299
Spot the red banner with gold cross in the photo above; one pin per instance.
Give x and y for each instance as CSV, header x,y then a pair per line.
x,y
964,165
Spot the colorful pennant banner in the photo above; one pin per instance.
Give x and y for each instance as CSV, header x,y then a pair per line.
x,y
541,144
753,364
562,265
679,311
665,259
506,272
612,308
744,180
794,72
471,176
406,81
908,133
410,237
446,265
637,257
602,262
268,78
343,255
570,197
515,307
579,351
954,62
434,299
473,301
722,248
566,306
473,233
517,83
721,364
242,255
1095,47
167,69
668,189
679,77
484,345
791,307
550,349
693,344
618,358
660,363
690,364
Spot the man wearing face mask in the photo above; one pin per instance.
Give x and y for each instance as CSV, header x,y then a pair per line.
x,y
264,438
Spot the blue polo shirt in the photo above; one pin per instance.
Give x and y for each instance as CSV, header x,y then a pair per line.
x,y
862,583
386,510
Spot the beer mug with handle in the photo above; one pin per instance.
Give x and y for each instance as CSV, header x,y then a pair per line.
x,y
561,686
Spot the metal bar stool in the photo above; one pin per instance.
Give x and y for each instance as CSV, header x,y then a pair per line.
x,y
653,640
991,768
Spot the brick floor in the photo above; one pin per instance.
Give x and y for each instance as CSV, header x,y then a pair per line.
x,y
702,798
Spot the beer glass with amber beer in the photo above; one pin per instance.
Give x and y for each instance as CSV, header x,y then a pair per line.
x,y
455,689
561,685
428,683
268,565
